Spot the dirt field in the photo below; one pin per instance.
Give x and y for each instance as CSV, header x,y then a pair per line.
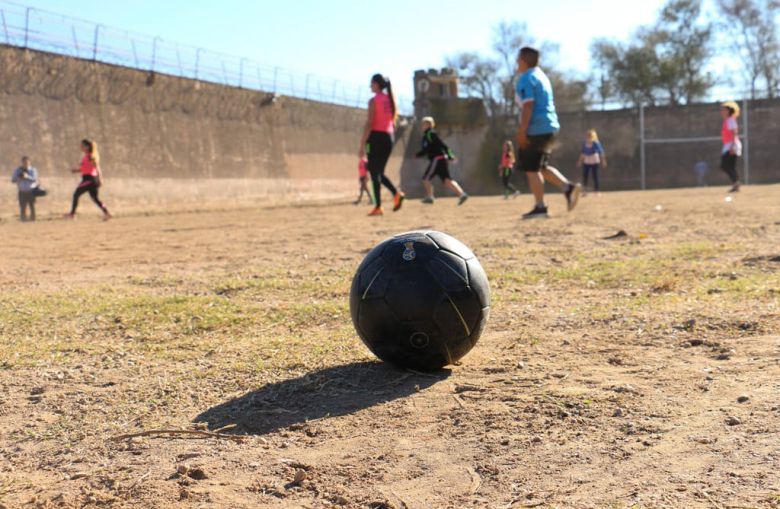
x,y
641,371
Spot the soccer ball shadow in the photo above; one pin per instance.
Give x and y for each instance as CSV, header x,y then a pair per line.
x,y
330,392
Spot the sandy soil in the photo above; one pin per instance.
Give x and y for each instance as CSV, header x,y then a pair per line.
x,y
640,371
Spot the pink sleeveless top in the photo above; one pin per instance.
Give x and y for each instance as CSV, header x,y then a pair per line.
x,y
88,167
383,114
506,161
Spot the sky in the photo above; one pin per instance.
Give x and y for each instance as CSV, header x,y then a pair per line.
x,y
351,40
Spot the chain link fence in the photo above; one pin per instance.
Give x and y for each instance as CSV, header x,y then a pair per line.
x,y
37,29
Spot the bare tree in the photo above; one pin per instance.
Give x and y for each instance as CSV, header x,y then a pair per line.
x,y
492,78
752,27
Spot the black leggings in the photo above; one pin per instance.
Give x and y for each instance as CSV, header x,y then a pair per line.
x,y
728,163
89,184
505,176
378,148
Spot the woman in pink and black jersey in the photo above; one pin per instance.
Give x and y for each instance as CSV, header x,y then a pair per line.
x,y
377,141
91,178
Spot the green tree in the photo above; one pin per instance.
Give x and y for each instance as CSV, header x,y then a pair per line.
x,y
664,62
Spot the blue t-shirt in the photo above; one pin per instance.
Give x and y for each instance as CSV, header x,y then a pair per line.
x,y
534,85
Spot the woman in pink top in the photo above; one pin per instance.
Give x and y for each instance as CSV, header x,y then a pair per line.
x,y
377,141
732,146
91,178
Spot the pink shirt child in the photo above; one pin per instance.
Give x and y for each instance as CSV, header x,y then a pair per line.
x,y
506,161
362,168
383,114
730,137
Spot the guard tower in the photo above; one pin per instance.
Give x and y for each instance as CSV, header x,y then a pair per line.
x,y
433,85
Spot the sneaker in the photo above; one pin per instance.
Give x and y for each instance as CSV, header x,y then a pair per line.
x,y
356,202
428,200
69,216
463,199
536,213
506,196
573,195
735,188
377,211
398,200
515,194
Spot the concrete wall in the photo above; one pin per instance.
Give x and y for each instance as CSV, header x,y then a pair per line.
x,y
154,126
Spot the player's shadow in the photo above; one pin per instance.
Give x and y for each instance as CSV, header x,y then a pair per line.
x,y
325,393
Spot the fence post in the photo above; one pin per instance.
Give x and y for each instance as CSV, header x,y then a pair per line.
x,y
259,78
197,61
306,87
95,43
75,41
746,159
135,54
276,76
154,52
5,27
642,144
178,59
224,72
26,26
241,73
335,84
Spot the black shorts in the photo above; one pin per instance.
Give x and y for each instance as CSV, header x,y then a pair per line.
x,y
437,168
728,162
536,156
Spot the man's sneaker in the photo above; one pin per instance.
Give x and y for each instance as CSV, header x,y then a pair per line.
x,y
516,194
377,211
398,200
428,200
463,199
735,188
536,213
573,195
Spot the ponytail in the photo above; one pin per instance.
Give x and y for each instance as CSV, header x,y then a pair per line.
x,y
392,99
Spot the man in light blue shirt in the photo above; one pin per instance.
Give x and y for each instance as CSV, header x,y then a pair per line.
x,y
26,179
536,135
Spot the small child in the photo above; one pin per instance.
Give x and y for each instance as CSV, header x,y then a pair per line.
x,y
732,146
505,169
363,180
592,157
438,154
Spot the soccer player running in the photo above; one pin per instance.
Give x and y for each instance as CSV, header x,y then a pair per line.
x,y
91,179
438,154
536,135
377,141
732,146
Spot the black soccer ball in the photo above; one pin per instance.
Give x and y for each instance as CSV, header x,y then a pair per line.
x,y
420,300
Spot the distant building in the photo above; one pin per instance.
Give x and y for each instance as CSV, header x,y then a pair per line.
x,y
436,94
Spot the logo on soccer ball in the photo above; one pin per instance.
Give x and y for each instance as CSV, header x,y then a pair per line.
x,y
409,253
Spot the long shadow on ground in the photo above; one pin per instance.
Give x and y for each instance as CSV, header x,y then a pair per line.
x,y
328,392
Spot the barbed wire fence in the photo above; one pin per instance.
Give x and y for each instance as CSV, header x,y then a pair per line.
x,y
31,28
